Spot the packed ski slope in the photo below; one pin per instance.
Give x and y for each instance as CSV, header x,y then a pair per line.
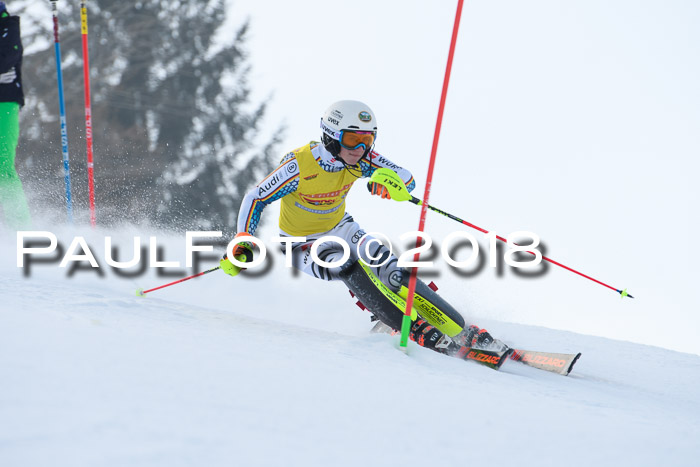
x,y
221,371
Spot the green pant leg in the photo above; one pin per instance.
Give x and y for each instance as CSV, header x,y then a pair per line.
x,y
12,199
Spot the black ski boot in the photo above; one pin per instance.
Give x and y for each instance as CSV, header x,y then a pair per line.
x,y
428,336
475,337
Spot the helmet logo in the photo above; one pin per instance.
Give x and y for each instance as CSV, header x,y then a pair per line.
x,y
364,116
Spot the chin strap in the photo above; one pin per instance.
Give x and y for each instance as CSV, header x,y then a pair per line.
x,y
349,167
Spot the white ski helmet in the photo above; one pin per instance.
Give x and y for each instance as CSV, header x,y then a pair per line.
x,y
348,116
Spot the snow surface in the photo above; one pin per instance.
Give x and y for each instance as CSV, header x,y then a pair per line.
x,y
282,370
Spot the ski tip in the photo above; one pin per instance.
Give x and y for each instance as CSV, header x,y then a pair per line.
x,y
573,362
139,293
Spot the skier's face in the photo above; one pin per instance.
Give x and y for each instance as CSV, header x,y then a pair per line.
x,y
352,156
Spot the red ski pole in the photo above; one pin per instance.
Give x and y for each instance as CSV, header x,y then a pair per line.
x,y
623,293
142,293
398,192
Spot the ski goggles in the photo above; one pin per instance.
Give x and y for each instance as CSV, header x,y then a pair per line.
x,y
355,139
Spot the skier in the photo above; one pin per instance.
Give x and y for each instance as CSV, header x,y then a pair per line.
x,y
12,200
312,183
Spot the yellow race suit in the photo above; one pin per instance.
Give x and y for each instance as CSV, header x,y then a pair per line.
x,y
312,185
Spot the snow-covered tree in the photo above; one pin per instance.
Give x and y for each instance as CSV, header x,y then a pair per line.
x,y
176,133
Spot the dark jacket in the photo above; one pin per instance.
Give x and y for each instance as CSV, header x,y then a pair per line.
x,y
11,56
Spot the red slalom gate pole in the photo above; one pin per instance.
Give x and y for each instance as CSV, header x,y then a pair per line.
x,y
142,292
406,323
88,112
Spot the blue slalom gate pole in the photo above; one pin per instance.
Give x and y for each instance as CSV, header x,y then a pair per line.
x,y
62,106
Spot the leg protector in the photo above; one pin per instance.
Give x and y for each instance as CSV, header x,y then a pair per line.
x,y
389,307
383,303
